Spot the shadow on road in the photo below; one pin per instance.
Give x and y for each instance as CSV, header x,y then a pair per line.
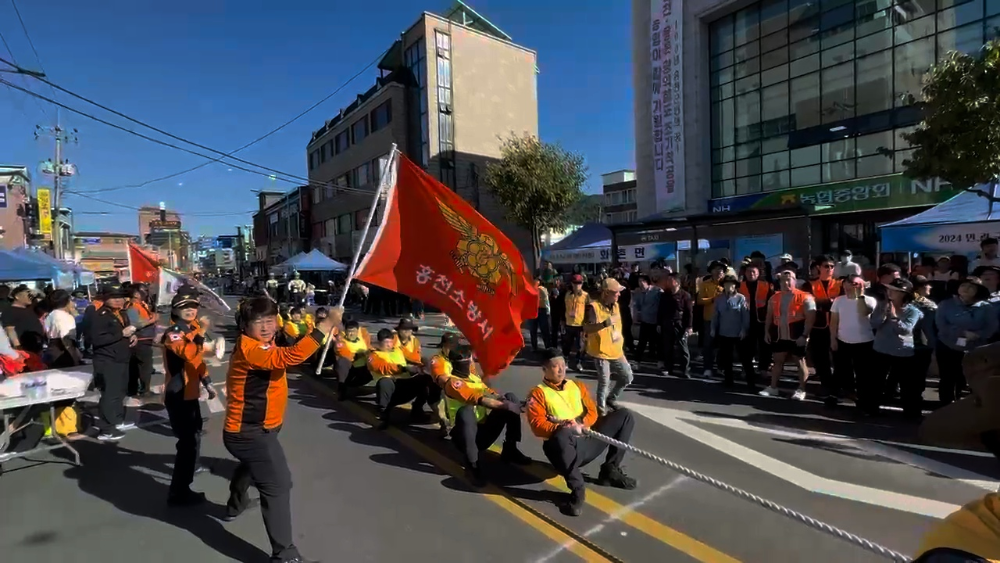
x,y
131,481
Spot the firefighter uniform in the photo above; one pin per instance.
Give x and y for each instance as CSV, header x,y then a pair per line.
x,y
185,374
352,350
397,382
576,306
553,408
477,414
295,331
143,318
257,395
410,346
112,352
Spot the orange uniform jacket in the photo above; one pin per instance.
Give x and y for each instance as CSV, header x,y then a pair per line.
x,y
256,384
292,328
381,366
412,351
183,360
344,351
455,387
538,415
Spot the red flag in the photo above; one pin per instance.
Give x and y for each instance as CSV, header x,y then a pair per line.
x,y
142,267
433,246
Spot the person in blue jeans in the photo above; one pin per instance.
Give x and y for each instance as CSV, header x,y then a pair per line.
x,y
964,322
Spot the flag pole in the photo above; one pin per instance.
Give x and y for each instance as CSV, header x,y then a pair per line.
x,y
128,252
382,182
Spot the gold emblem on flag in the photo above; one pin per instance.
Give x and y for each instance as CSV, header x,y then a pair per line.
x,y
479,254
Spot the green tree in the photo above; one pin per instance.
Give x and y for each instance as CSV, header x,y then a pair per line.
x,y
959,137
537,183
587,209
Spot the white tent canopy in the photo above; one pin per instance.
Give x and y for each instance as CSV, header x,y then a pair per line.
x,y
313,261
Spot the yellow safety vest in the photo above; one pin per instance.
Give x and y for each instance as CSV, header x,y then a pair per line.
x,y
355,347
607,343
576,305
452,405
409,346
563,405
396,357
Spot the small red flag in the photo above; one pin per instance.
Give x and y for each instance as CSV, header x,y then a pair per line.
x,y
433,246
142,267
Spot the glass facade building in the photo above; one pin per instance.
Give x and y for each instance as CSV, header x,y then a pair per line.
x,y
812,92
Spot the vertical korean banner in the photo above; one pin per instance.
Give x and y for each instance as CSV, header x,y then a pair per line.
x,y
3,196
45,212
667,103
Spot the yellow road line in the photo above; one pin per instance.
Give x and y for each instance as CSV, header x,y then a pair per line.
x,y
574,543
652,528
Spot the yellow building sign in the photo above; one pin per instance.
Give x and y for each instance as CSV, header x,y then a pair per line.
x,y
45,212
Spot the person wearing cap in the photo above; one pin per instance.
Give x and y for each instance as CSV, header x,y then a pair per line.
x,y
185,373
352,349
478,415
407,342
60,329
23,325
964,321
560,411
602,326
112,338
730,325
541,320
894,322
143,318
847,266
790,317
757,291
397,381
710,288
825,288
576,301
256,399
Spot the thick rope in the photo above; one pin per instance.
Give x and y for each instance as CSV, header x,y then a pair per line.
x,y
811,522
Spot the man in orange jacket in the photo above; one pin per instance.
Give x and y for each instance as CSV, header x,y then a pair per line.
x,y
560,411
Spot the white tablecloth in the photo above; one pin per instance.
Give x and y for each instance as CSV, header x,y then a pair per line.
x,y
63,384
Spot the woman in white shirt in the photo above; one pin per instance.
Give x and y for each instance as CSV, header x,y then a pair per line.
x,y
60,328
850,323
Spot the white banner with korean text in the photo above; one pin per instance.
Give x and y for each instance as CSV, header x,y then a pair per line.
x,y
667,103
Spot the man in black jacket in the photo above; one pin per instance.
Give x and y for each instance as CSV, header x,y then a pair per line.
x,y
112,338
675,316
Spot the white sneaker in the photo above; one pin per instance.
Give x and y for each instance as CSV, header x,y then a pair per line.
x,y
799,395
769,392
125,426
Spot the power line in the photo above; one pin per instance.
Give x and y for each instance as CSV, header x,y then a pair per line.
x,y
31,43
166,144
134,208
223,154
14,64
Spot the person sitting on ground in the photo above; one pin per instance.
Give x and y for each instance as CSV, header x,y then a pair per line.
x,y
298,325
407,342
352,349
397,381
477,414
561,411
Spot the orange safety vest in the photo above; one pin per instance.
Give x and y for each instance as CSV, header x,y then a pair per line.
x,y
796,310
760,297
824,297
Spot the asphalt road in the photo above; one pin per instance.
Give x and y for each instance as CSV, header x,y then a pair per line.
x,y
365,495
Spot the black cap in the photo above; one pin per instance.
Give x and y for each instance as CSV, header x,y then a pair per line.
x,y
460,354
113,290
406,324
19,289
449,339
182,300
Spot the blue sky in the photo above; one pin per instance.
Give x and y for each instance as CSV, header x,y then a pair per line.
x,y
222,73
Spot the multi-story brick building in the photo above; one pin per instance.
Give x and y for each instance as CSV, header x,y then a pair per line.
x,y
450,87
619,205
280,227
15,197
104,253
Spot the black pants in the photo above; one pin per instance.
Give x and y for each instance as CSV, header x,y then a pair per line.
x,y
819,353
352,376
626,314
852,368
263,464
728,348
112,378
921,363
140,368
871,390
647,337
472,436
391,392
754,346
950,371
573,341
569,453
540,323
185,422
675,348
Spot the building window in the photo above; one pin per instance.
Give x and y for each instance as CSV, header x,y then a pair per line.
x,y
317,194
381,116
342,141
793,82
360,216
362,175
415,58
323,154
343,224
313,159
446,124
360,129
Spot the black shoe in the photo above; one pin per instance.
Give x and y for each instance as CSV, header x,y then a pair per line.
x,y
111,435
201,469
573,505
419,416
187,498
475,476
511,454
342,392
383,418
612,476
230,516
612,405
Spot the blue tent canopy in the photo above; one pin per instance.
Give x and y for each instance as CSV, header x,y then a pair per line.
x,y
591,235
955,226
313,261
17,268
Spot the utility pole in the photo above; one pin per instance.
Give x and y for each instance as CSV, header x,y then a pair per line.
x,y
60,169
